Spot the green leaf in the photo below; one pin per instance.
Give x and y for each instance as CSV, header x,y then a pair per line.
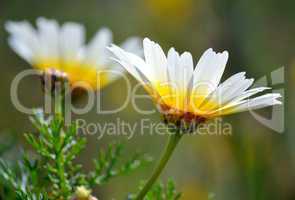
x,y
109,164
160,192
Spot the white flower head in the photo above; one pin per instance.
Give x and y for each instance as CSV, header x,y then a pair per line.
x,y
192,92
62,47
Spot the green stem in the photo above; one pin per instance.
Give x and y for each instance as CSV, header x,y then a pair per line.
x,y
59,104
171,145
60,159
61,174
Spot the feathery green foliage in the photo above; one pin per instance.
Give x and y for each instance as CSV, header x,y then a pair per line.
x,y
160,192
52,173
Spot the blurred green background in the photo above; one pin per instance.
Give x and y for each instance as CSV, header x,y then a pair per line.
x,y
253,163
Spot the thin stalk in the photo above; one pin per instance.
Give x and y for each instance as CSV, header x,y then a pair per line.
x,y
171,145
61,174
59,102
60,159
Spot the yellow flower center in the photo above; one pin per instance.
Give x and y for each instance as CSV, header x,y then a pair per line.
x,y
79,74
180,101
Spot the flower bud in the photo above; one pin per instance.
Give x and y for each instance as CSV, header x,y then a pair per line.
x,y
82,193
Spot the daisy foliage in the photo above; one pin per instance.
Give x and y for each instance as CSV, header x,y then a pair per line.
x,y
51,170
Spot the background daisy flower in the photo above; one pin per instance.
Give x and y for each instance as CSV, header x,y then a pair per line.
x,y
63,48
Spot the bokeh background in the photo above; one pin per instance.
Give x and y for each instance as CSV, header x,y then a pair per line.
x,y
254,162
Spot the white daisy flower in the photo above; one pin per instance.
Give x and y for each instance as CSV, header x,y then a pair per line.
x,y
62,47
189,93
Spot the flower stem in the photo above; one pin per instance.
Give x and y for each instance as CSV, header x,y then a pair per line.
x,y
59,100
59,103
173,140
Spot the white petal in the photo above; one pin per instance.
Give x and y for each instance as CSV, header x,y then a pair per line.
x,y
71,40
250,104
96,52
187,66
23,39
21,48
136,67
236,90
180,69
173,60
209,69
133,45
249,93
156,59
233,89
259,102
231,81
186,61
48,34
130,62
218,95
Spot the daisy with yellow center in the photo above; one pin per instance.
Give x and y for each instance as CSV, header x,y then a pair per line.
x,y
189,94
182,90
62,48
